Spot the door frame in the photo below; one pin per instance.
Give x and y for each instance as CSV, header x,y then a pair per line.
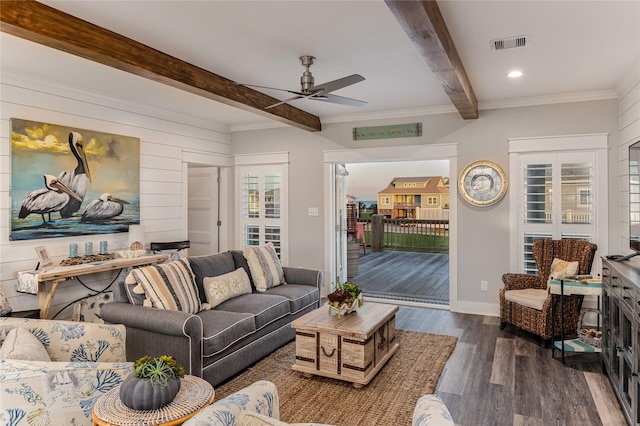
x,y
224,163
387,155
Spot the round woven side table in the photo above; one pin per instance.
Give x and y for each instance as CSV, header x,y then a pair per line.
x,y
195,394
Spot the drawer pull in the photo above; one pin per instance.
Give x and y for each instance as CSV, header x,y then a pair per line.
x,y
382,343
324,351
626,287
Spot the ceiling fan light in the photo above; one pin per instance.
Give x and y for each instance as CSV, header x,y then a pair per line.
x,y
514,74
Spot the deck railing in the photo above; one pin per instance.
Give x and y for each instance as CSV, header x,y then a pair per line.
x,y
430,236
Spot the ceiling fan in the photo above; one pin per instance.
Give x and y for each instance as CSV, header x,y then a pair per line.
x,y
321,92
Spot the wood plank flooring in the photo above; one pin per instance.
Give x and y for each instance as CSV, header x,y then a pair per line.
x,y
416,277
504,377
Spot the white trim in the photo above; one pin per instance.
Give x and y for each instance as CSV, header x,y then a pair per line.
x,y
559,143
207,159
387,154
391,154
478,308
261,159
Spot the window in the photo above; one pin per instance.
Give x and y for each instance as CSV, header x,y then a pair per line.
x,y
262,197
385,200
556,193
432,201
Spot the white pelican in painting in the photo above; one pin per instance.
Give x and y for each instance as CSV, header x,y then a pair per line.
x,y
104,208
52,198
77,179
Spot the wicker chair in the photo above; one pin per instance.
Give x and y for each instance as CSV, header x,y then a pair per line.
x,y
539,321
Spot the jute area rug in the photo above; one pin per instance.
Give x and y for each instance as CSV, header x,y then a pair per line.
x,y
389,399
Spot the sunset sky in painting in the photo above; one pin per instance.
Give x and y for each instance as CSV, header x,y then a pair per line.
x,y
38,149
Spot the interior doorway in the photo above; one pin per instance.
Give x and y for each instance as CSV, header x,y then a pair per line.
x,y
413,199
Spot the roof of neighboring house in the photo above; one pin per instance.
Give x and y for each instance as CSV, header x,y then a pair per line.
x,y
434,185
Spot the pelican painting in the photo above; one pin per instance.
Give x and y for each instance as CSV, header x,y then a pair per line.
x,y
87,162
104,208
50,199
77,179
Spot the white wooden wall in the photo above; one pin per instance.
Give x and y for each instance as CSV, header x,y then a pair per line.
x,y
165,141
629,133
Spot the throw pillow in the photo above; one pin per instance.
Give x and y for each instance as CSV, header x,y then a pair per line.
x,y
264,265
249,418
21,344
562,268
226,286
5,308
168,286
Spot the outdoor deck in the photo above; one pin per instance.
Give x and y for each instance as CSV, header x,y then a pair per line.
x,y
415,277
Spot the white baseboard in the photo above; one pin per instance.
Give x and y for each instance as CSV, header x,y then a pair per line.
x,y
477,308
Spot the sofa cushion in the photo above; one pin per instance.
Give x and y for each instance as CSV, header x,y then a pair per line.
x,y
265,267
169,286
300,296
265,308
210,265
222,329
21,344
227,286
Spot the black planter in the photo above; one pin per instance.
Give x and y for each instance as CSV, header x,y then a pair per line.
x,y
140,394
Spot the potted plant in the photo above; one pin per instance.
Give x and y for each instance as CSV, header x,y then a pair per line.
x,y
346,298
154,384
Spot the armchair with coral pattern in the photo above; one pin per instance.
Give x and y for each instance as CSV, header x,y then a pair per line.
x,y
86,361
525,301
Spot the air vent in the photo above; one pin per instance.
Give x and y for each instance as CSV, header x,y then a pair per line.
x,y
510,43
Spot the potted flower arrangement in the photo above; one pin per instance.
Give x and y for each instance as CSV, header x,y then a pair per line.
x,y
344,299
154,384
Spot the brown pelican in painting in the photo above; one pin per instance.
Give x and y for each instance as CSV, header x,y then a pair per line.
x,y
77,179
104,208
52,198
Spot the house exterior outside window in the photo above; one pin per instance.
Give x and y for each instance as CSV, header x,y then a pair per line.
x,y
424,197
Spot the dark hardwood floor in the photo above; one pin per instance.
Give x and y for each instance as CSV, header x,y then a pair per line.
x,y
396,275
505,377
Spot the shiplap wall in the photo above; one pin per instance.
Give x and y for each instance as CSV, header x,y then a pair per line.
x,y
629,109
165,141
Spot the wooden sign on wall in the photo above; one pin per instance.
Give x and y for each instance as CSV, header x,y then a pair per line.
x,y
387,132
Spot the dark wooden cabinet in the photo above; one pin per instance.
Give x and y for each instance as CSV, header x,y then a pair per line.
x,y
621,332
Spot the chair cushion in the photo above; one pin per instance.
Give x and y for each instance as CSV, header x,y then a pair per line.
x,y
21,344
561,268
265,267
224,287
529,297
169,286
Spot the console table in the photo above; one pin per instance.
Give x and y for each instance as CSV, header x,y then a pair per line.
x,y
50,280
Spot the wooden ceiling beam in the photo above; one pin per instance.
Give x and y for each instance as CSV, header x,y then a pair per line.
x,y
45,25
425,26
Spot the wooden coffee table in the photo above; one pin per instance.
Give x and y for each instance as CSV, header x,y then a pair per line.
x,y
353,348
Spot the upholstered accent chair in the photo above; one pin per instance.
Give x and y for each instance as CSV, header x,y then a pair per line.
x,y
82,361
525,300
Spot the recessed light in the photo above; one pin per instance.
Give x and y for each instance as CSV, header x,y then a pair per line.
x,y
514,74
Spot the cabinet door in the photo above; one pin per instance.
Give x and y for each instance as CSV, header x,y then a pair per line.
x,y
606,322
627,386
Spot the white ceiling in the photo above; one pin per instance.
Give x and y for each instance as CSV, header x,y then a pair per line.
x,y
579,50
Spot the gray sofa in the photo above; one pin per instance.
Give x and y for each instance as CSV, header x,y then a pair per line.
x,y
218,343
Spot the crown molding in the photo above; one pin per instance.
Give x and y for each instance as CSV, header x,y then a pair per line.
x,y
629,81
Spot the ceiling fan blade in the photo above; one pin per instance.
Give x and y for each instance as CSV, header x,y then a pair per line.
x,y
338,100
271,88
330,86
285,101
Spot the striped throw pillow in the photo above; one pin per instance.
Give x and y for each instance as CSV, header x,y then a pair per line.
x,y
168,286
264,266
